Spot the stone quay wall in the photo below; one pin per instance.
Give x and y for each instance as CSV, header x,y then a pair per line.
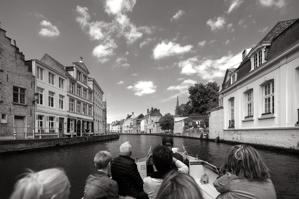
x,y
33,144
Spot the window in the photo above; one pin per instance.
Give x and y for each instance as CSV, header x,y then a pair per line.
x,y
72,126
51,124
72,105
79,75
260,54
78,108
89,110
90,95
85,93
61,97
232,113
255,60
39,73
84,108
72,87
51,78
249,103
78,90
39,95
61,82
3,118
40,123
18,95
85,79
51,99
268,90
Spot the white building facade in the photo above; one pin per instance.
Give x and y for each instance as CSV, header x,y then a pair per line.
x,y
50,97
261,97
80,101
98,107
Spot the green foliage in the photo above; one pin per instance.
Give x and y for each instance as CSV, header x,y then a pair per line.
x,y
167,122
202,98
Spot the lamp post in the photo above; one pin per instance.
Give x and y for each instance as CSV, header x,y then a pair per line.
x,y
34,109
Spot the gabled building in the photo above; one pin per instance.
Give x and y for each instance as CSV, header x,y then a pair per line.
x,y
261,96
128,123
80,96
151,123
51,97
137,123
98,108
16,92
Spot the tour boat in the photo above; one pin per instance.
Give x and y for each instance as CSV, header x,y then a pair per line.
x,y
202,171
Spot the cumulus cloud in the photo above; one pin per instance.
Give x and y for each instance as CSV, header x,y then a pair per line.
x,y
141,88
180,89
48,29
234,4
202,43
167,49
104,51
273,3
145,42
116,7
122,62
209,69
177,15
120,82
216,23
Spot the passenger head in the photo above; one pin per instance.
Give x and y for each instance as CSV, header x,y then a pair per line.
x,y
245,161
162,159
45,184
179,186
125,149
102,159
167,141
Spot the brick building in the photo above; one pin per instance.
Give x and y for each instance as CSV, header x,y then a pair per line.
x,y
16,91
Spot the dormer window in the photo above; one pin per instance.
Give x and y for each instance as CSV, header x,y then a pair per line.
x,y
233,78
257,59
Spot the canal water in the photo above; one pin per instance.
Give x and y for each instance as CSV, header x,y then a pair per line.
x,y
77,161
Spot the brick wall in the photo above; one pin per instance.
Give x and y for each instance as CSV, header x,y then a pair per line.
x,y
14,72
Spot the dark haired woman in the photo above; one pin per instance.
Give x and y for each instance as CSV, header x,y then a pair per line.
x,y
246,176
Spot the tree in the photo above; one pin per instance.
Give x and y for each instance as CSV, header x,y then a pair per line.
x,y
167,122
184,109
203,97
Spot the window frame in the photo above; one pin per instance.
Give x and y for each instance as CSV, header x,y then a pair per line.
x,y
268,97
51,102
40,96
19,93
39,73
61,83
61,102
51,77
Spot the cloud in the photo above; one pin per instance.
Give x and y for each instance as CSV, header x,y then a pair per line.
x,y
234,5
165,49
122,61
115,7
48,29
104,51
141,88
177,15
209,69
273,3
120,82
181,89
202,43
145,42
217,23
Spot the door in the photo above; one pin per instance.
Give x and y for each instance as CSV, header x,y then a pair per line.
x,y
61,126
19,125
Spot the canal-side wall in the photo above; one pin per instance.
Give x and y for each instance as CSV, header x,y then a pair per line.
x,y
22,145
277,137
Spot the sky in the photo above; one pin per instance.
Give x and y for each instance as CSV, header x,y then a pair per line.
x,y
144,53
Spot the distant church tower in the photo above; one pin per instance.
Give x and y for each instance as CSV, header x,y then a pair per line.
x,y
177,106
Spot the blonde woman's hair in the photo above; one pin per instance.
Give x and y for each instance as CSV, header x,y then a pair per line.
x,y
179,186
244,161
45,184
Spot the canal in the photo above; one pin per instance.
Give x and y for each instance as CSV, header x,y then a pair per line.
x,y
77,161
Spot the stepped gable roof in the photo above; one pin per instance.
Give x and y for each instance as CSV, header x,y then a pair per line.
x,y
280,27
82,66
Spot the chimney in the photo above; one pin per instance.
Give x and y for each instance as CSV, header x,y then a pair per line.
x,y
81,60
